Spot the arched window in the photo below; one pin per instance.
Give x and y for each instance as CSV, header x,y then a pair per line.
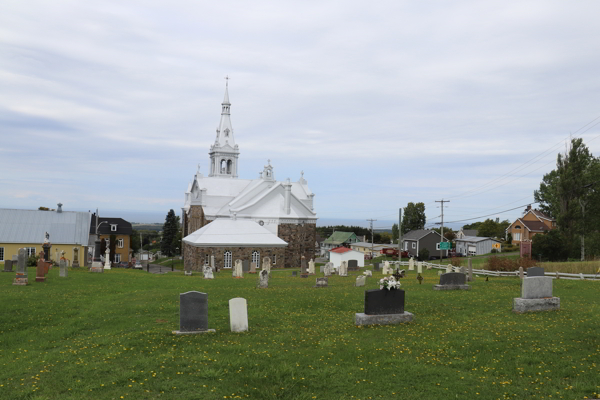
x,y
256,257
227,259
223,166
517,227
229,164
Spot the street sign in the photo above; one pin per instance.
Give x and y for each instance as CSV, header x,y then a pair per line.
x,y
445,246
496,246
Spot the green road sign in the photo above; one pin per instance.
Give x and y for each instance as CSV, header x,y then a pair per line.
x,y
445,246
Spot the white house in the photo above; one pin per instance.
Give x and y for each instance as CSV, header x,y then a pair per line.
x,y
339,254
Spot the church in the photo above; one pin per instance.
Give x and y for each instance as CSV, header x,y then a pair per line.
x,y
229,218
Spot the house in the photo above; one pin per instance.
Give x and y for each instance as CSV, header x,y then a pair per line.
x,y
237,239
474,245
67,230
283,208
339,254
533,222
338,239
465,232
120,229
416,240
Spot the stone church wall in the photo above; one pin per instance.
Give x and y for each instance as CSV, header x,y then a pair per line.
x,y
194,256
194,220
301,242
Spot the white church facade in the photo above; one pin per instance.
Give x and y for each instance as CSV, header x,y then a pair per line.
x,y
282,209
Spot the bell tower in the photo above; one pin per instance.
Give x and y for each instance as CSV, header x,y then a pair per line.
x,y
224,152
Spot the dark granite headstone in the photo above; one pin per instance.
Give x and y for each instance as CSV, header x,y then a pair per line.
x,y
535,271
378,302
8,266
294,273
193,312
303,266
245,266
453,278
377,266
352,265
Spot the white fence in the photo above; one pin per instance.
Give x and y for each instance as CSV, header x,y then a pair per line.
x,y
556,275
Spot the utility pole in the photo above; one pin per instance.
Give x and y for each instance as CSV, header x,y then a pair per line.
x,y
442,230
372,236
399,235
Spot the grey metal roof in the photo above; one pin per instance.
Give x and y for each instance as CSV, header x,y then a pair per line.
x,y
418,234
475,239
29,226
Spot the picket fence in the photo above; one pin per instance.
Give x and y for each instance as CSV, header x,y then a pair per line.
x,y
556,275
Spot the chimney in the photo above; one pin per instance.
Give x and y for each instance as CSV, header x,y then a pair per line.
x,y
59,209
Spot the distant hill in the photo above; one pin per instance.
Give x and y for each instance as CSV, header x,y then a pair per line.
x,y
147,227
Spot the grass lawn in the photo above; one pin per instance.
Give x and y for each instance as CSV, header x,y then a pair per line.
x,y
108,336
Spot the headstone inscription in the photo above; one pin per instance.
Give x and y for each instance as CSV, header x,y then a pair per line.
x,y
208,272
536,295
452,281
238,314
353,265
21,278
263,279
8,266
321,282
193,313
535,271
75,257
360,280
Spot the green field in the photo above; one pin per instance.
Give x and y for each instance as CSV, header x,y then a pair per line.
x,y
108,336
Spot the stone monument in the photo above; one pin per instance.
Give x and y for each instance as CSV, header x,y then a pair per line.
x,y
208,272
40,272
536,295
107,258
21,277
263,279
8,265
266,264
75,257
322,282
383,307
452,281
361,280
238,314
252,268
193,313
238,269
311,267
343,269
328,269
64,271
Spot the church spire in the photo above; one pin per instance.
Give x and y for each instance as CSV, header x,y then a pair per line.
x,y
224,152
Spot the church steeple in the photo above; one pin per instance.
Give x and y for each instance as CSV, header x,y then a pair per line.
x,y
224,152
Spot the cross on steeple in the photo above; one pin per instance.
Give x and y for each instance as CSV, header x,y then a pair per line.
x,y
226,80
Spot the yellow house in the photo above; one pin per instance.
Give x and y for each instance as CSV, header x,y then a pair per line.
x,y
27,229
118,227
533,222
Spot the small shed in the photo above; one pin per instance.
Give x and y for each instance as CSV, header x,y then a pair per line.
x,y
339,254
474,245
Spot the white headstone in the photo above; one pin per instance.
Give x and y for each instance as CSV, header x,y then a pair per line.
x,y
263,279
440,272
238,269
386,268
208,272
360,280
536,287
266,264
420,268
328,270
238,314
411,264
311,267
107,258
64,272
449,268
343,268
368,273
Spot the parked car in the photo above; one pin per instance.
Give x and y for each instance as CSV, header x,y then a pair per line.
x,y
123,264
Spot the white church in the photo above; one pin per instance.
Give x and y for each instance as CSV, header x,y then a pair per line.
x,y
229,218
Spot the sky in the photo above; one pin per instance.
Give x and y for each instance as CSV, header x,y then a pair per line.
x,y
113,105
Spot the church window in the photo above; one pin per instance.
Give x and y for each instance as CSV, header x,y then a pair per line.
x,y
223,166
227,259
206,259
274,257
256,257
227,132
229,164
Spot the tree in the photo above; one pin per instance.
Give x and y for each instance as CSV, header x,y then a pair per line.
x,y
568,194
385,237
424,254
395,233
170,228
551,246
488,228
414,217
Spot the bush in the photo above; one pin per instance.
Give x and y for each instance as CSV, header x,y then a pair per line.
x,y
32,260
508,264
455,262
424,254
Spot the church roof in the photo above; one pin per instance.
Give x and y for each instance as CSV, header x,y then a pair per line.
x,y
233,233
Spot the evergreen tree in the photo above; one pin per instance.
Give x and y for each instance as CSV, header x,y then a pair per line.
x,y
395,233
170,228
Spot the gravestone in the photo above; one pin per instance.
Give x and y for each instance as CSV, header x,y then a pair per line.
x,y
411,264
107,258
452,281
311,267
440,272
238,314
321,268
267,264
386,268
193,313
521,273
294,273
420,268
75,257
303,266
535,271
208,272
62,264
343,269
8,266
383,307
322,282
263,279
449,268
360,280
189,272
40,272
377,266
252,268
470,270
463,270
212,263
328,269
368,273
21,278
238,269
353,265
536,295
245,266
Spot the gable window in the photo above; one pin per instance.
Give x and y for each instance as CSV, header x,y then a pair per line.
x,y
113,227
1,253
517,226
227,259
120,243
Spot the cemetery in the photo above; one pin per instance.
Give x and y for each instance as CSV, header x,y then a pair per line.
x,y
129,334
